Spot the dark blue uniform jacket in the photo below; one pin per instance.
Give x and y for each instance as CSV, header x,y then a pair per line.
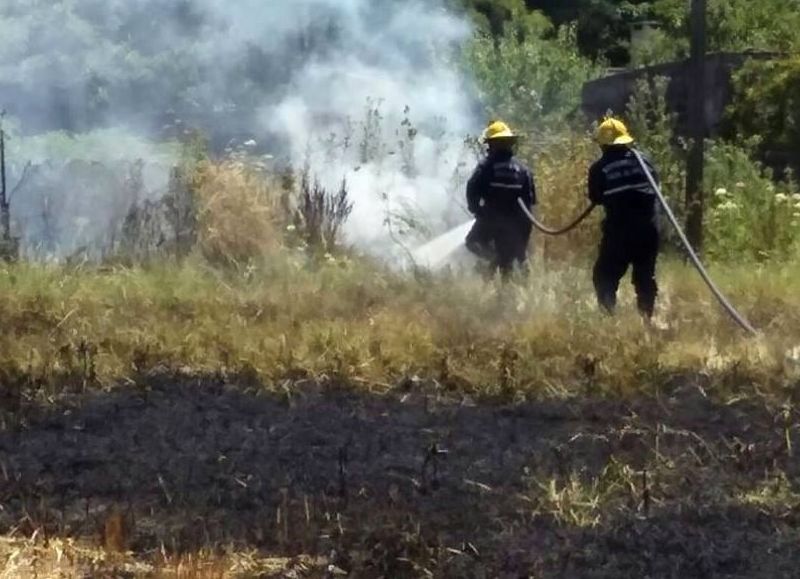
x,y
496,185
618,183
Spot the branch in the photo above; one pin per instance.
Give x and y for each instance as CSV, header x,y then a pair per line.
x,y
26,172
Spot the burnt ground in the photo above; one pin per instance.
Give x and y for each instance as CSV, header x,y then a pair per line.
x,y
414,484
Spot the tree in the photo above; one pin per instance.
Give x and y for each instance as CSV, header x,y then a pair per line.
x,y
604,26
532,73
767,104
735,25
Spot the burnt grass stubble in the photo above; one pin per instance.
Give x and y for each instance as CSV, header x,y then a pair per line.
x,y
407,482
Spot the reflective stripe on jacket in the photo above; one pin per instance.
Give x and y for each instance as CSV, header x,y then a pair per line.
x,y
618,183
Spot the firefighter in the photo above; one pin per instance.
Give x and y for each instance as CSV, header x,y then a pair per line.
x,y
502,232
630,230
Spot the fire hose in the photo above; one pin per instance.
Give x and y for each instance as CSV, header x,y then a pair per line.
x,y
546,230
724,302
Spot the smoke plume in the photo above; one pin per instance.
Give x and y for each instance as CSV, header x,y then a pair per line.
x,y
365,90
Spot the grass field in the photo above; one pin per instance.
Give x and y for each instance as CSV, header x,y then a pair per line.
x,y
355,322
305,418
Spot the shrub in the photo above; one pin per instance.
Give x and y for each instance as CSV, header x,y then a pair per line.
x,y
653,126
531,74
767,104
240,213
733,25
749,217
321,214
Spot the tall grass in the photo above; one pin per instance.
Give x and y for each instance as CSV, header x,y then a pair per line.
x,y
241,215
357,323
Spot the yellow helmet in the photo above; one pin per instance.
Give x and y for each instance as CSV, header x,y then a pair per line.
x,y
613,132
498,130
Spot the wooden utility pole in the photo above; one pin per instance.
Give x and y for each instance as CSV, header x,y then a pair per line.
x,y
695,170
5,214
9,246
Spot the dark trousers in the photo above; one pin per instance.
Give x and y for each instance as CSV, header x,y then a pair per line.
x,y
502,240
618,252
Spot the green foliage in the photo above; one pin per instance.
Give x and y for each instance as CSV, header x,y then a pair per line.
x,y
656,46
531,74
767,103
734,25
604,29
749,216
652,125
492,15
604,26
768,25
757,216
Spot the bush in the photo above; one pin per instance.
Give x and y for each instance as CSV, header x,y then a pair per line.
x,y
734,25
749,217
653,126
321,214
240,215
530,75
767,104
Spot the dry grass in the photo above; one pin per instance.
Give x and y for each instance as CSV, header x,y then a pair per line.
x,y
58,558
241,213
369,326
560,173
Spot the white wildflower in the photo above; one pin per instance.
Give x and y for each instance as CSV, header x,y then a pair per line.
x,y
781,197
721,192
740,185
291,228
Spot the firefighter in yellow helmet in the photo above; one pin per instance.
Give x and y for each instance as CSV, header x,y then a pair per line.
x,y
502,231
630,230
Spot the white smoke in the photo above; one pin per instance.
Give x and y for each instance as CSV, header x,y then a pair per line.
x,y
325,83
389,61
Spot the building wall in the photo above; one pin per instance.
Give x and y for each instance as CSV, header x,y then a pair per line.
x,y
613,92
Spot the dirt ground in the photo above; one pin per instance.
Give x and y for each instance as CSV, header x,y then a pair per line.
x,y
412,483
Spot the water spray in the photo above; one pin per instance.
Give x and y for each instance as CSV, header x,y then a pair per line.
x,y
436,253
